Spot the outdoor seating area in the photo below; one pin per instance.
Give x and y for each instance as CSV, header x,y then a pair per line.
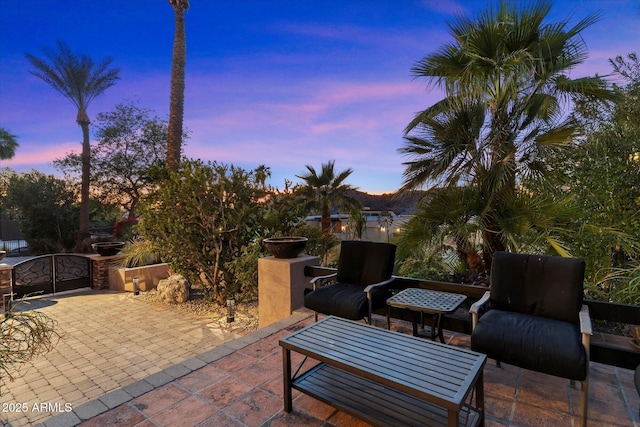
x,y
241,384
326,370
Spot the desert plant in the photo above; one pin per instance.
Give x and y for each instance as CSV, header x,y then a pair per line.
x,y
139,252
622,285
203,217
25,335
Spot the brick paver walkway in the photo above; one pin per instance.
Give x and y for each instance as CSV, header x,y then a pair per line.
x,y
133,364
109,340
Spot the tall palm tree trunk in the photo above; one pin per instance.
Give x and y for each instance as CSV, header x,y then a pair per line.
x,y
325,219
83,241
176,107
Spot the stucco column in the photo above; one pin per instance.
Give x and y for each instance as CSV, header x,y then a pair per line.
x,y
281,284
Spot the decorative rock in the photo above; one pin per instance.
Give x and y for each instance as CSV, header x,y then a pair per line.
x,y
174,289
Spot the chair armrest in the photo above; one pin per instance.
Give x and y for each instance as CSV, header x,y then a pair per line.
x,y
315,280
585,321
369,288
585,329
477,307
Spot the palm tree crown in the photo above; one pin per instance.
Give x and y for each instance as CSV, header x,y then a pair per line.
x,y
8,144
506,79
325,190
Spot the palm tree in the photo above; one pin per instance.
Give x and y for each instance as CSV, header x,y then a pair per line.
x,y
79,79
8,144
176,107
326,190
506,76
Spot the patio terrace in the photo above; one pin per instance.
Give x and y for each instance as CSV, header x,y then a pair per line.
x,y
239,383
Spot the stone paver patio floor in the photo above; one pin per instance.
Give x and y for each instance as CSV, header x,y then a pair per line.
x,y
108,340
196,376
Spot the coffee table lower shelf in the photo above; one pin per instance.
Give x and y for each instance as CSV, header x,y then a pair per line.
x,y
373,402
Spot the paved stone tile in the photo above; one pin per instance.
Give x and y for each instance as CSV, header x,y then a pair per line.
x,y
123,415
187,412
159,399
115,398
224,392
255,408
109,342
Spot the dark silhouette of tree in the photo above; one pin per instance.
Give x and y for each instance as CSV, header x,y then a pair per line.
x,y
79,79
8,144
325,190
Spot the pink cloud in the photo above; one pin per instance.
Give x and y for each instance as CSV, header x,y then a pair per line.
x,y
43,154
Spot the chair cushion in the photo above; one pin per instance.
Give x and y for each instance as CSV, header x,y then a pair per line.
x,y
548,286
532,342
365,263
345,300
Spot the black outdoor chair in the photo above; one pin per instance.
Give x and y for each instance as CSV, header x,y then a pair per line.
x,y
364,271
535,318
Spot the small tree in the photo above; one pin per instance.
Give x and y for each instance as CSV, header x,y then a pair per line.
x,y
202,219
130,141
47,209
325,190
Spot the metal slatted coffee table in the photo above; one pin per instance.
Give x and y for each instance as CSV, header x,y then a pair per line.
x,y
384,377
421,301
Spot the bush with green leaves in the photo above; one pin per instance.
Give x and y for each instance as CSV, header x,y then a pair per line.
x,y
207,220
200,219
48,211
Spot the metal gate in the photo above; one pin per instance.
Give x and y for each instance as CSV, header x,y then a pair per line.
x,y
48,274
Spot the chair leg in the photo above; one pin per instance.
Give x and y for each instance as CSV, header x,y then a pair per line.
x,y
315,315
584,400
388,319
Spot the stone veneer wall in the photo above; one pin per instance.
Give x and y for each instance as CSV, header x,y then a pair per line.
x,y
5,285
100,270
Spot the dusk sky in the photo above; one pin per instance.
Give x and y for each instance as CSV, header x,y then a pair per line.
x,y
283,83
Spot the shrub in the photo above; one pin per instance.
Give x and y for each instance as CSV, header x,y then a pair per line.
x,y
25,335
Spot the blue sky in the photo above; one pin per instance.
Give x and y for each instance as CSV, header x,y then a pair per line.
x,y
283,82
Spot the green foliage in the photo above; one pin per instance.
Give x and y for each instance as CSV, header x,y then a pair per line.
x,y
139,252
8,144
130,141
325,190
621,285
284,217
207,221
602,174
125,228
425,264
25,334
47,210
505,75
